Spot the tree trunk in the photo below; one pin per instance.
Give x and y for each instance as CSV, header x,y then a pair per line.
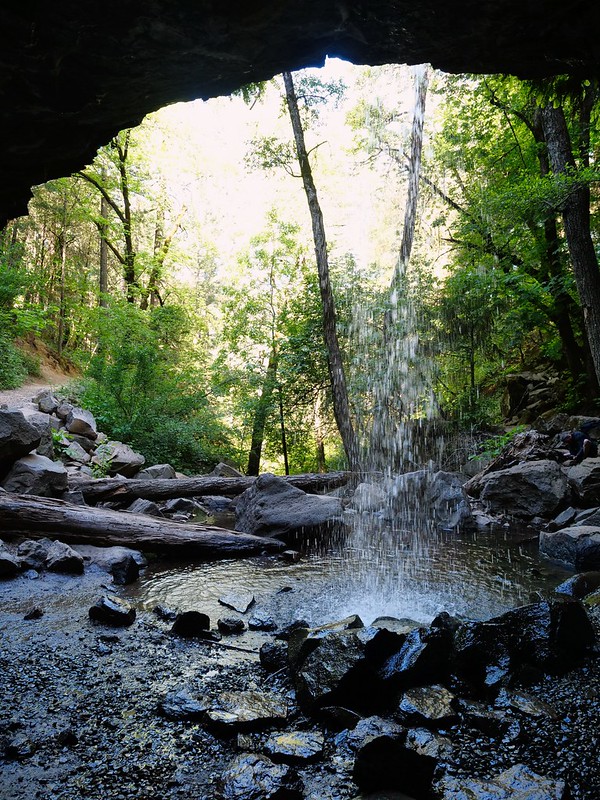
x,y
126,490
341,404
576,219
261,413
103,278
27,515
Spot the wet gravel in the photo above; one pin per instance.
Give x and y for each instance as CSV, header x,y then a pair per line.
x,y
79,719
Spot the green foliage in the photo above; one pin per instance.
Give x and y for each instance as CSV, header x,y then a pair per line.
x,y
492,447
13,371
143,392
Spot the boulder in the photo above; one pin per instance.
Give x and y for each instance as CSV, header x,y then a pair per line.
x,y
45,425
73,451
157,471
183,704
295,747
121,562
577,546
223,470
191,624
529,489
580,585
255,777
439,496
142,506
111,610
34,552
250,710
10,565
118,459
431,706
273,507
47,401
368,497
229,626
17,437
64,559
80,421
35,474
584,479
64,409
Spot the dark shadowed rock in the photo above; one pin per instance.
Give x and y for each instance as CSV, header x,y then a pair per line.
x,y
525,703
580,585
230,626
47,401
111,610
577,546
295,747
529,489
64,559
378,744
34,552
256,777
10,565
17,437
274,655
493,722
191,624
35,474
273,507
143,506
45,424
584,479
20,747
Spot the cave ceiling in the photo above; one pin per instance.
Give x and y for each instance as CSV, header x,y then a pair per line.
x,y
73,73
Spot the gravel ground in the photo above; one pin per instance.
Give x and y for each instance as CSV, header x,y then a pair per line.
x,y
78,709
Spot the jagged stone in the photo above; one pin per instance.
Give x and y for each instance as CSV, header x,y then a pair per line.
x,y
157,471
578,586
10,565
247,710
529,489
230,626
238,601
118,459
295,747
121,562
33,553
252,776
274,655
35,474
577,546
17,437
183,704
81,421
427,705
111,610
513,784
143,506
64,559
584,479
47,401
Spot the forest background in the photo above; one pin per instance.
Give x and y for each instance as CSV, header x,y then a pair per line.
x,y
178,270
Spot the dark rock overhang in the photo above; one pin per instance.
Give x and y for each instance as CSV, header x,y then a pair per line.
x,y
73,73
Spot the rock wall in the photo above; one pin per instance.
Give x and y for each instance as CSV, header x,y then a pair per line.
x,y
73,73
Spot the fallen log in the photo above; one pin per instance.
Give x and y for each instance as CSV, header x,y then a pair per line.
x,y
127,490
36,517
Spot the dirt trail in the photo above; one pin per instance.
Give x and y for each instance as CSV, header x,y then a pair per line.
x,y
48,379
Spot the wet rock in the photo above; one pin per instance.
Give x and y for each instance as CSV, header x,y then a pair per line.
x,y
183,705
35,613
80,421
274,655
295,747
492,722
525,703
400,626
422,658
368,497
481,652
35,474
513,784
441,492
273,507
143,506
20,747
262,621
10,565
578,586
34,552
164,613
338,718
527,490
247,710
563,520
291,556
238,601
191,624
379,747
64,559
122,563
229,626
256,777
163,471
17,437
111,610
577,547
427,705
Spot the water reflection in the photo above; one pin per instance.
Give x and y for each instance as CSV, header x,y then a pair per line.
x,y
379,572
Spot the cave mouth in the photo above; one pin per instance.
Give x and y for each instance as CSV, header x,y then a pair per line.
x,y
72,77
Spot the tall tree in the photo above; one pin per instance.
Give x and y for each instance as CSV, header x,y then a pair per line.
x,y
341,404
